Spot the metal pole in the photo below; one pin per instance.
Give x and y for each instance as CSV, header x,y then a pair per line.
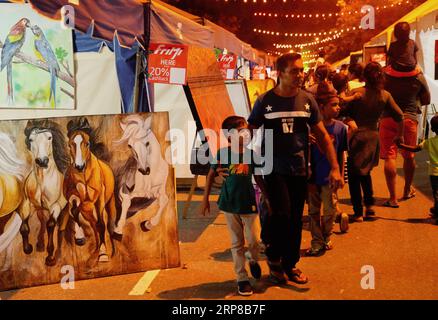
x,y
137,81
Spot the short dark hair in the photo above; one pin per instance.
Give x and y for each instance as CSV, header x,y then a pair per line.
x,y
374,76
340,82
325,92
322,53
434,124
402,30
322,72
233,122
344,66
356,69
283,61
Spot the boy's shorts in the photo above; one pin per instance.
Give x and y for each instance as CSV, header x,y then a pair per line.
x,y
388,131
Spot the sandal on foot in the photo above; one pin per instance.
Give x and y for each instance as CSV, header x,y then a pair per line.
x,y
388,203
313,252
297,276
412,193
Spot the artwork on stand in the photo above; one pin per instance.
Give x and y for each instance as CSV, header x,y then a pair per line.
x,y
258,87
207,95
95,193
37,68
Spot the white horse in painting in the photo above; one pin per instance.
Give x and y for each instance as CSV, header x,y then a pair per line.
x,y
12,171
143,179
43,186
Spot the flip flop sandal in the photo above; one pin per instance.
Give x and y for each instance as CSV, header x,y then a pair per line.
x,y
410,195
387,203
297,276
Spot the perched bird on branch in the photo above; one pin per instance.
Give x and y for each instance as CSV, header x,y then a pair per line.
x,y
13,43
44,53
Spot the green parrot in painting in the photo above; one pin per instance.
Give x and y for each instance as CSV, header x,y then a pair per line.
x,y
13,43
44,53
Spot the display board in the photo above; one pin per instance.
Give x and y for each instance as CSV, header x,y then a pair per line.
x,y
97,89
238,94
37,69
93,195
375,53
207,96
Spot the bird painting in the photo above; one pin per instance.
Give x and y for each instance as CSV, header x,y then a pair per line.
x,y
13,43
44,53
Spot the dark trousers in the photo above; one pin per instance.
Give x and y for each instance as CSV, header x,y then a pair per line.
x,y
282,230
434,184
357,184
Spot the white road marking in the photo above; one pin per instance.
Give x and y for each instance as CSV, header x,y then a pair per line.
x,y
143,284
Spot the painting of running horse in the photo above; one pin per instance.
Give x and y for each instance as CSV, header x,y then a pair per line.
x,y
95,193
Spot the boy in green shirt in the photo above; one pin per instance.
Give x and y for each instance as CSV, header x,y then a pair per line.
x,y
431,145
237,198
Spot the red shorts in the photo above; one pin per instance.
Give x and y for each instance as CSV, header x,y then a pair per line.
x,y
388,131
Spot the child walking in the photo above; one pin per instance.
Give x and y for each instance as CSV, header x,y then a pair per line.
x,y
431,146
319,191
237,199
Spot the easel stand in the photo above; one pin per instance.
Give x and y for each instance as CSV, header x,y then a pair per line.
x,y
189,197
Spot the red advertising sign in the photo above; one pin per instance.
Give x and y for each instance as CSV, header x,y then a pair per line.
x,y
227,64
168,63
258,73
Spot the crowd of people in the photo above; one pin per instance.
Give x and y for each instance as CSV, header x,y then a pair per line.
x,y
326,126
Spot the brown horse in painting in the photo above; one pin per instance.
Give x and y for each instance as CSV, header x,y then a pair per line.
x,y
89,185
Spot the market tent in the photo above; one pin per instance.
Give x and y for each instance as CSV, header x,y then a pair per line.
x,y
171,25
124,19
412,17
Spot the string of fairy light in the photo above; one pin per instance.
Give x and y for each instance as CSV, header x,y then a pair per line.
x,y
305,34
322,14
301,16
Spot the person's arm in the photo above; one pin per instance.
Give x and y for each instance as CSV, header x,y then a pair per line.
x,y
390,54
261,183
341,161
342,149
397,115
205,205
409,148
424,94
355,96
325,143
415,52
256,118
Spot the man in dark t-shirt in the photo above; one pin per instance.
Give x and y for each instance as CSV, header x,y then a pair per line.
x,y
288,112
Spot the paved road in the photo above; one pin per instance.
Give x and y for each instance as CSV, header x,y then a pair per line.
x,y
401,246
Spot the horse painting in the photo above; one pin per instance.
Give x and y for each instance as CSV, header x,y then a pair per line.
x,y
143,178
89,184
12,171
43,186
